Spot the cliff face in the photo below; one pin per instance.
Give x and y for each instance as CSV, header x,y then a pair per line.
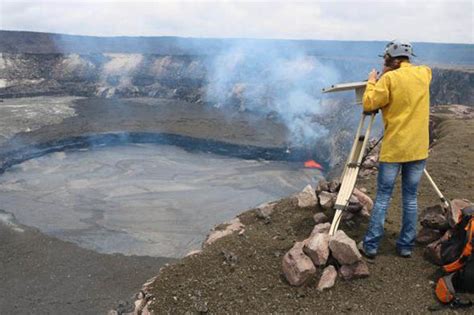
x,y
452,86
183,77
103,75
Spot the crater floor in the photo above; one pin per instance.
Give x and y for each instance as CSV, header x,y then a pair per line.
x,y
141,199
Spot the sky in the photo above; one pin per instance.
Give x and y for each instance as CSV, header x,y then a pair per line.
x,y
449,21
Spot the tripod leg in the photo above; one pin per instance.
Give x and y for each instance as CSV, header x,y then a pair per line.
x,y
351,171
438,192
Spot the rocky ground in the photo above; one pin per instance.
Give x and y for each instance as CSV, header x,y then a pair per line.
x,y
242,272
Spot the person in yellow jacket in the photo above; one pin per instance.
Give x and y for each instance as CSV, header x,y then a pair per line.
x,y
402,94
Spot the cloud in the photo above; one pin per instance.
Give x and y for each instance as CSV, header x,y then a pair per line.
x,y
427,20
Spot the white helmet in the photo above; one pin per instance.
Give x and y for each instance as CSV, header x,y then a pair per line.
x,y
399,48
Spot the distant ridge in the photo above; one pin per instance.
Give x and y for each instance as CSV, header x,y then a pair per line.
x,y
49,43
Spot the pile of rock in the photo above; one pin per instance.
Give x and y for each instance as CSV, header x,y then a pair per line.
x,y
337,254
436,226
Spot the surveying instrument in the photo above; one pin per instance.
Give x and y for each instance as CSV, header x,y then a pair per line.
x,y
356,155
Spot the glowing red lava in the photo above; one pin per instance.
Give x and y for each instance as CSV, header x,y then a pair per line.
x,y
312,164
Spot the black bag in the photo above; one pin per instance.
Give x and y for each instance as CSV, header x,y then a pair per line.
x,y
458,259
465,278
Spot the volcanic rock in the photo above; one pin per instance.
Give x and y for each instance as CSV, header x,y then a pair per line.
x,y
327,200
265,209
297,267
456,206
328,278
334,186
317,248
354,205
434,217
432,253
365,201
307,198
364,213
354,271
344,249
321,228
320,218
370,161
427,235
322,185
232,226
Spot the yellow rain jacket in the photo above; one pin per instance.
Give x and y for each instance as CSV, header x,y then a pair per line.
x,y
404,98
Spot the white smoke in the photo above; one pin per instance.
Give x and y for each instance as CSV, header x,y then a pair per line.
x,y
267,78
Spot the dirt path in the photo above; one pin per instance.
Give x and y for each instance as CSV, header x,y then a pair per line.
x,y
254,283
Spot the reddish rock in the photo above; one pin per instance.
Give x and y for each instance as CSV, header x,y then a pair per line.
x,y
232,226
321,228
344,249
320,218
307,198
328,278
317,248
354,271
327,200
427,235
364,213
365,201
297,267
432,253
454,213
434,218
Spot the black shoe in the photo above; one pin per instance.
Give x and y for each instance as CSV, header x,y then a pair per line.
x,y
360,247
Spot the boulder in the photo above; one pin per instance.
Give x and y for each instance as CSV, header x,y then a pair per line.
x,y
334,186
432,252
347,216
364,213
321,228
327,200
328,278
427,235
264,210
317,248
456,206
344,249
297,267
307,198
354,205
232,226
435,218
322,185
365,201
354,271
320,218
370,161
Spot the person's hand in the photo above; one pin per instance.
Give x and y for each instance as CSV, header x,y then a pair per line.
x,y
372,76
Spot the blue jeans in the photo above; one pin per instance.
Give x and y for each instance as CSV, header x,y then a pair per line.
x,y
411,174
